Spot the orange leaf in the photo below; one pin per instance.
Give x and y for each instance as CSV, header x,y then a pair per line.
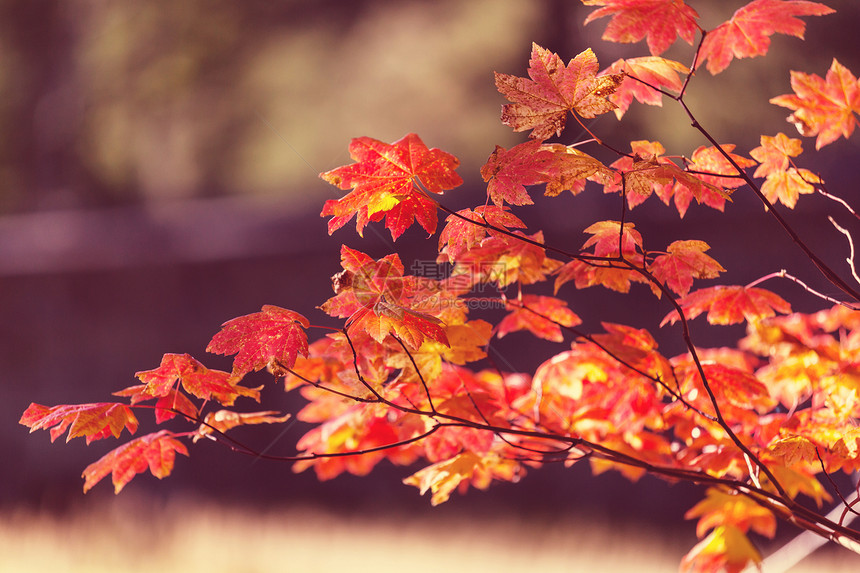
x,y
195,378
541,315
224,420
542,102
94,421
784,182
271,338
154,451
377,299
685,261
725,549
661,21
384,182
823,107
720,508
747,33
657,72
443,477
461,233
607,236
572,168
730,305
508,171
794,449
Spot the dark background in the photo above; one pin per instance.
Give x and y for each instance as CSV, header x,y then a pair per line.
x,y
158,164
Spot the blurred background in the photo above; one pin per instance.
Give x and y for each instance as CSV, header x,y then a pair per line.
x,y
159,175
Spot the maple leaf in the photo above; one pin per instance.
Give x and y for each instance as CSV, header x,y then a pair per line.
x,y
721,508
730,305
725,549
660,21
195,378
572,168
509,171
684,261
541,315
542,102
747,33
653,71
167,406
384,182
271,338
647,172
443,477
465,229
823,106
155,451
607,236
93,421
793,449
224,420
377,299
783,182
505,259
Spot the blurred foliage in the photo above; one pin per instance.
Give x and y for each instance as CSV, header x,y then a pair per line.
x,y
107,101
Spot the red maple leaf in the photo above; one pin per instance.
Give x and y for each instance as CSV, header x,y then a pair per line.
x,y
508,171
542,102
464,230
541,315
384,182
167,406
654,71
195,378
270,338
93,421
684,261
747,33
377,299
730,305
155,451
661,21
823,106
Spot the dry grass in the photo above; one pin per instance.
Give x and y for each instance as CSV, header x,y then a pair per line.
x,y
134,537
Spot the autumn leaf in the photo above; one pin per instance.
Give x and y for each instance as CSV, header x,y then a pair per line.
x,y
721,508
725,549
572,169
607,236
784,183
660,21
466,229
444,477
509,171
730,305
377,299
506,259
646,172
823,106
653,71
542,102
224,420
271,338
155,451
541,315
93,421
385,182
794,449
195,378
747,33
684,261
